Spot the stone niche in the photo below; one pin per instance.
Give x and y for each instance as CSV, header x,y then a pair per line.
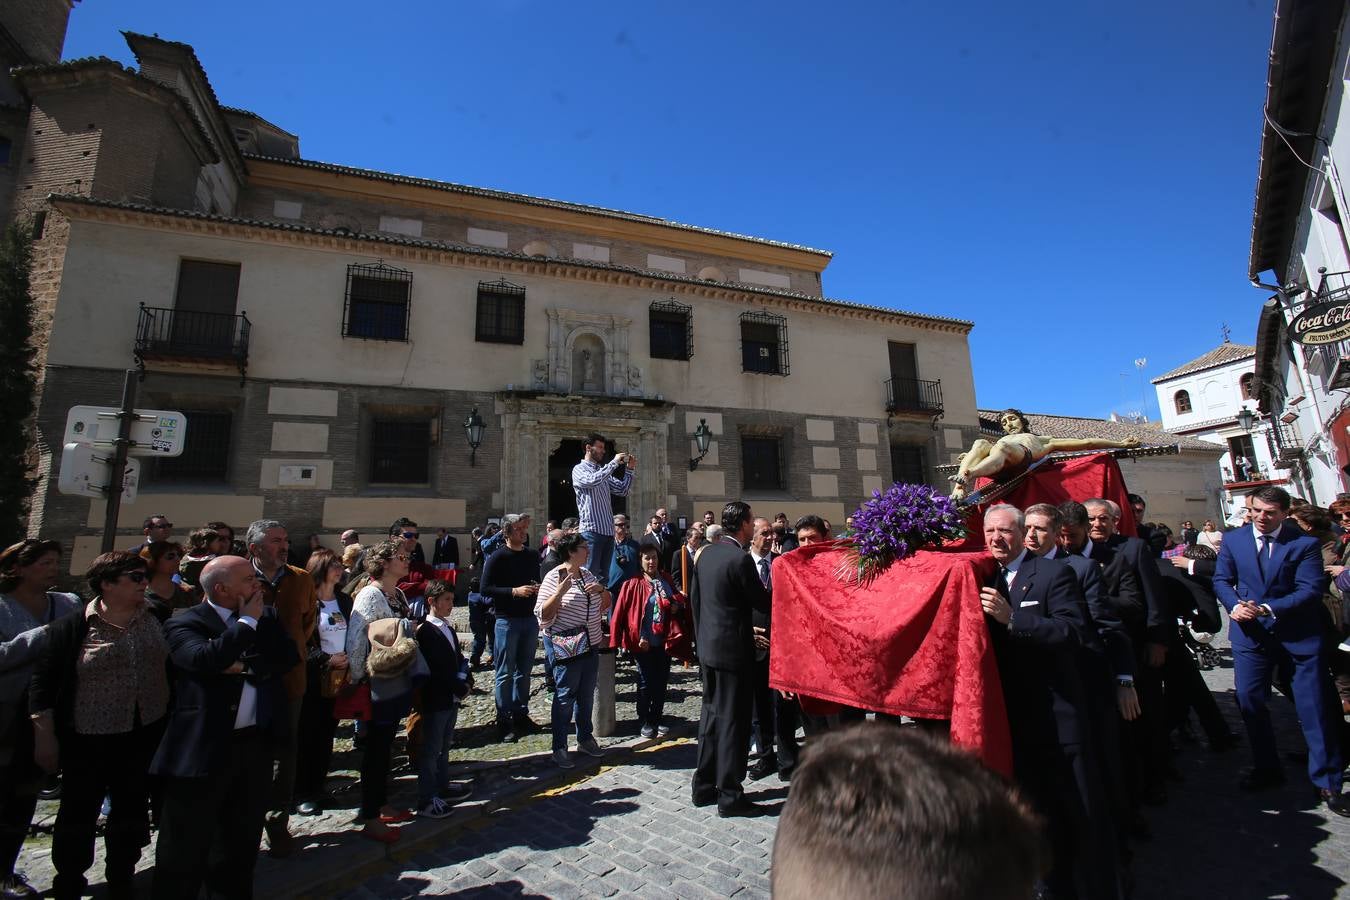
x,y
587,354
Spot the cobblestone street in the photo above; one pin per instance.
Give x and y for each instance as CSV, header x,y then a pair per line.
x,y
623,825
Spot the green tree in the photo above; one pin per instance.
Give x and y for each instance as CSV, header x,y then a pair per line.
x,y
18,382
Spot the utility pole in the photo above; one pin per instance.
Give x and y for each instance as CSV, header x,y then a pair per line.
x,y
125,417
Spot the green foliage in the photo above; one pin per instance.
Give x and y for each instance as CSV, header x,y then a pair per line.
x,y
18,381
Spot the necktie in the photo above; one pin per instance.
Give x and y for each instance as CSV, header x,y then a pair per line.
x,y
1263,553
1001,584
764,570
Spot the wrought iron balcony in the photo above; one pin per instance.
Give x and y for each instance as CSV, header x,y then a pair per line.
x,y
1286,447
910,395
188,338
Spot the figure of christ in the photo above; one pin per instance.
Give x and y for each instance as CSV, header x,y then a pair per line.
x,y
1013,454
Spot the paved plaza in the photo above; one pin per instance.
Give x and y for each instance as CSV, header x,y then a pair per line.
x,y
622,825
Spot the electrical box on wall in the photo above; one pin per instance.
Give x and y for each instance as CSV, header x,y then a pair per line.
x,y
297,476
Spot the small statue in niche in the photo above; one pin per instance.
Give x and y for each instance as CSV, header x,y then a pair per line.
x,y
588,382
635,379
540,374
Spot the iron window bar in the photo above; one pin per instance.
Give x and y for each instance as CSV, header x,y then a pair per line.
x,y
763,463
764,343
913,395
400,451
500,316
377,305
164,333
671,330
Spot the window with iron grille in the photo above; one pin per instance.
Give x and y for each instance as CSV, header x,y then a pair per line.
x,y
671,329
400,451
764,343
501,313
1182,399
908,464
206,449
377,304
762,464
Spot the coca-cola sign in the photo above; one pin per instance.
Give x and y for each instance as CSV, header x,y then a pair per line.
x,y
1325,323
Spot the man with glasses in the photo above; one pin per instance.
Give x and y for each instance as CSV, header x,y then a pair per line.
x,y
155,528
626,561
291,592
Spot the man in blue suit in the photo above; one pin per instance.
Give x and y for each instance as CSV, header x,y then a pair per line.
x,y
1269,577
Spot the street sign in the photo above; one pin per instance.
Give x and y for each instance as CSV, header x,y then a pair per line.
x,y
86,471
154,432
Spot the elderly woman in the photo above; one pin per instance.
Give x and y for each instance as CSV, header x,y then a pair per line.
x,y
570,606
1209,536
98,702
27,608
645,615
386,564
327,664
163,593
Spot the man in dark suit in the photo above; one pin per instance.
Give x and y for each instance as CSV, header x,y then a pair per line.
x,y
1269,577
776,750
725,590
1131,578
446,550
1038,621
661,535
229,710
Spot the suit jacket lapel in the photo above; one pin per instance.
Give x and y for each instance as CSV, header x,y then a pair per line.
x,y
214,623
1278,548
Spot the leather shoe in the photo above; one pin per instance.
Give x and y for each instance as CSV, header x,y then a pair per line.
x,y
763,768
1261,779
704,801
308,808
1335,801
740,807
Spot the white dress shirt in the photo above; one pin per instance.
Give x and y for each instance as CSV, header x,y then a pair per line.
x,y
247,715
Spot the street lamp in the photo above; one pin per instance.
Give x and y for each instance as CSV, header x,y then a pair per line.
x,y
703,438
473,429
1246,419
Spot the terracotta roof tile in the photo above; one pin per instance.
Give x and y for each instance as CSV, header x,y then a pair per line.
x,y
1221,355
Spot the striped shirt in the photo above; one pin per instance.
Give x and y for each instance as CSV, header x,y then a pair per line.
x,y
593,484
576,608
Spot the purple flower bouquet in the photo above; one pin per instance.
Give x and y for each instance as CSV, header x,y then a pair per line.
x,y
896,523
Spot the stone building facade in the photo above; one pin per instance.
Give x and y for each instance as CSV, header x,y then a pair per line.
x,y
328,330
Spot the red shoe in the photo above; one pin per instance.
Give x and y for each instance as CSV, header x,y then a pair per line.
x,y
388,836
403,815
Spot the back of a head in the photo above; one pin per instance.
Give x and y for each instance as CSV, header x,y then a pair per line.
x,y
876,811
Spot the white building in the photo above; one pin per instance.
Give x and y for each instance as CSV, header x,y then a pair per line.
x,y
1202,399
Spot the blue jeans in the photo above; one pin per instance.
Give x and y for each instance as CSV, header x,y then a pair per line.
x,y
517,637
653,673
484,631
575,692
433,761
601,554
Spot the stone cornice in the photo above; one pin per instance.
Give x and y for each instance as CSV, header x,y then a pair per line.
x,y
495,261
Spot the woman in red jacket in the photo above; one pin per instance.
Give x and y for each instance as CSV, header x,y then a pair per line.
x,y
650,621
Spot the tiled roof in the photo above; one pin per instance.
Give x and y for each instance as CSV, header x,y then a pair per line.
x,y
474,250
248,113
528,199
1221,355
1080,427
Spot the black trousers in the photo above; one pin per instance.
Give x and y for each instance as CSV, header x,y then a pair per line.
x,y
19,778
375,762
1063,785
95,766
314,752
777,719
210,827
723,735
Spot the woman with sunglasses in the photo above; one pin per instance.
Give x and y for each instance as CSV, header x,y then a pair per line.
x,y
98,704
27,608
166,596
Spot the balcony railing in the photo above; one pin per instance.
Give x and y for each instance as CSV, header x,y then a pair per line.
x,y
186,336
911,395
1286,447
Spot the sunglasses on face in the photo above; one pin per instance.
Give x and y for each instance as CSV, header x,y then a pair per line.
x,y
138,577
411,535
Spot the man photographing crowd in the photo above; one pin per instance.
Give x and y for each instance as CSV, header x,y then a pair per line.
x,y
594,481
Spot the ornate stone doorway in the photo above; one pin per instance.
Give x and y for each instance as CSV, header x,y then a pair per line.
x,y
543,434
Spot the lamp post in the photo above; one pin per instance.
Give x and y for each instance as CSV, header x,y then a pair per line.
x,y
702,438
1246,419
473,429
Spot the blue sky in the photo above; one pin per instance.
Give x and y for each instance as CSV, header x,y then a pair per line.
x,y
1075,177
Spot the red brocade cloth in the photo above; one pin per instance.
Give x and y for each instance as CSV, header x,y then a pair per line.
x,y
913,642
